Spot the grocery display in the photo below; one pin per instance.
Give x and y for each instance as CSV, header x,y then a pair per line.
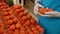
x,y
17,20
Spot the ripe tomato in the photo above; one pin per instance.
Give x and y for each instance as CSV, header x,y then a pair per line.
x,y
12,27
15,20
17,11
8,9
10,31
32,20
22,9
38,26
8,26
25,12
10,13
6,17
16,31
15,7
22,32
4,13
12,16
31,25
29,16
24,18
41,30
22,28
42,10
21,14
18,25
10,22
36,32
27,23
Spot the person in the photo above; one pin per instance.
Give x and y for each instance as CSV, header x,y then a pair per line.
x,y
50,23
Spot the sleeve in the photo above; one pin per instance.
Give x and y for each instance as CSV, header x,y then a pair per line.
x,y
37,1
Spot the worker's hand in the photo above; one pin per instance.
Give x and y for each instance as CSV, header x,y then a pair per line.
x,y
45,15
53,14
36,7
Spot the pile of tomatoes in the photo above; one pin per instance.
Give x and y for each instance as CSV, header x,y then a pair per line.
x,y
27,20
13,25
16,20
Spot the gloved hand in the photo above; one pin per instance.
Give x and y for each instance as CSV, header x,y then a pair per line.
x,y
36,7
45,15
53,14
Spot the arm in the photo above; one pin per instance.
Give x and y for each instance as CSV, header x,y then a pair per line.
x,y
37,6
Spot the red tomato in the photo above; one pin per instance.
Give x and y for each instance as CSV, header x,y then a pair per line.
x,y
8,9
18,25
15,20
31,25
10,13
8,26
41,30
10,31
42,10
22,32
27,23
19,6
15,7
17,11
10,22
12,16
25,12
5,13
16,31
29,16
38,26
12,27
21,14
24,18
36,32
22,9
33,21
6,18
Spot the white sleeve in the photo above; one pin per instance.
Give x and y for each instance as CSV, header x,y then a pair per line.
x,y
37,1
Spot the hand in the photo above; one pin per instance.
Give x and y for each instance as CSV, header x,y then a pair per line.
x,y
36,8
53,14
44,15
